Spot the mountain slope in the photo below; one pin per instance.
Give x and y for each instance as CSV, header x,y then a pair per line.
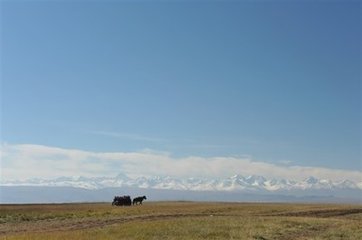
x,y
235,188
232,184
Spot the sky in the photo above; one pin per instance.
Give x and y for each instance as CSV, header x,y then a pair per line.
x,y
272,84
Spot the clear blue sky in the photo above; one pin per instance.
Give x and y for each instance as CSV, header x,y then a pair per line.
x,y
277,80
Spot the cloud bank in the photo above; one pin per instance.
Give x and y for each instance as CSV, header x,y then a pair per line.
x,y
25,161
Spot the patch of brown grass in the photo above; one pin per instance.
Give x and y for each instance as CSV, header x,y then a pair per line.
x,y
181,220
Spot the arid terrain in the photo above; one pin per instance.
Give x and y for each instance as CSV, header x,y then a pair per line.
x,y
181,220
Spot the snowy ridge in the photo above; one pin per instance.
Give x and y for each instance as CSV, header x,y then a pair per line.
x,y
235,183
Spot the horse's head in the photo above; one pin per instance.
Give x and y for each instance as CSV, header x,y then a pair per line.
x,y
144,197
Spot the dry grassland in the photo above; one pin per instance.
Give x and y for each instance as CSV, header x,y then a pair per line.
x,y
181,220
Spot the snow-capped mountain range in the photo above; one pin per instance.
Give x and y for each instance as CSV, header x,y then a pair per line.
x,y
236,183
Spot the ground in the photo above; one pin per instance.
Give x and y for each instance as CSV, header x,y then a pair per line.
x,y
181,220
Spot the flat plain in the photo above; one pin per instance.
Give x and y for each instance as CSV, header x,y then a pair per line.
x,y
181,220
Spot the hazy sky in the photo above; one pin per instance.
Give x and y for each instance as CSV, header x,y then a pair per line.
x,y
277,82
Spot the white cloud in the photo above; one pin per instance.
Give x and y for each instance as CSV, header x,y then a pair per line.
x,y
28,161
285,162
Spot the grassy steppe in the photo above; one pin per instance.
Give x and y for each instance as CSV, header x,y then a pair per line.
x,y
181,220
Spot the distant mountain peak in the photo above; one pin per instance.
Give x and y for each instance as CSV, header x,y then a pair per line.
x,y
311,180
237,176
122,176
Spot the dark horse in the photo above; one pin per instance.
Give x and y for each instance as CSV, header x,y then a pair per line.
x,y
138,200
